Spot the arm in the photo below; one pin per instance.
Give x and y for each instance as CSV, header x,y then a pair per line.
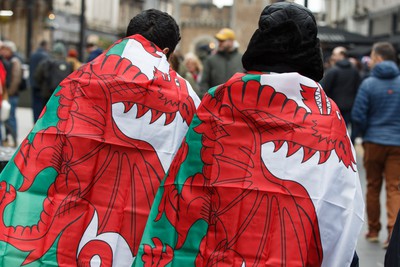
x,y
204,84
359,112
39,75
328,80
16,76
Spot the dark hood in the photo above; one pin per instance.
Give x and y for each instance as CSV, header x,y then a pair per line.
x,y
345,63
385,70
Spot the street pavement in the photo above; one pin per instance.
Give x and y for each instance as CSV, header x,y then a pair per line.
x,y
370,254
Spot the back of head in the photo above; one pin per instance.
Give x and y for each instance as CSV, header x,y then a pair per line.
x,y
285,41
43,44
9,45
59,50
340,50
157,27
385,50
339,53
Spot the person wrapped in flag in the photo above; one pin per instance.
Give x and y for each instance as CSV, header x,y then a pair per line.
x,y
266,175
78,190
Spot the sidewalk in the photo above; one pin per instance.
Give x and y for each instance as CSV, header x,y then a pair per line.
x,y
24,122
24,126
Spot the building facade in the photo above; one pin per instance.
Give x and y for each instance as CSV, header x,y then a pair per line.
x,y
199,20
377,19
60,20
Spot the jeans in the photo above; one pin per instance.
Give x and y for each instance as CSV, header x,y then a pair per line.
x,y
11,123
37,103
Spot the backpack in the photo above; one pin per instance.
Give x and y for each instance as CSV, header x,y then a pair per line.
x,y
55,70
24,84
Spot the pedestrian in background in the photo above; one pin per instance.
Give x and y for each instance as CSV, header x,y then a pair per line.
x,y
194,70
72,58
219,67
93,51
376,119
3,95
38,56
52,71
8,50
341,82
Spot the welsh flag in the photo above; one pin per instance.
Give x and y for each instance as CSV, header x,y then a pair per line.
x,y
79,188
266,176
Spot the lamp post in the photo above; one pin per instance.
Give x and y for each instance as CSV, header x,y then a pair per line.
x,y
29,23
82,31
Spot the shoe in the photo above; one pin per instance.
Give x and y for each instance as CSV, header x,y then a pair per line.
x,y
6,144
385,244
372,237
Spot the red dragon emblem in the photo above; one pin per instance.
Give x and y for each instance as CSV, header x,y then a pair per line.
x,y
105,181
275,223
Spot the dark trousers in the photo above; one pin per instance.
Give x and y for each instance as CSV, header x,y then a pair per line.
x,y
37,103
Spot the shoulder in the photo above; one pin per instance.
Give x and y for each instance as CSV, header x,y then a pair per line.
x,y
16,60
237,53
332,70
212,59
368,83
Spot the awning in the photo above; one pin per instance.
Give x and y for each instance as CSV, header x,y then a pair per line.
x,y
334,36
359,51
394,40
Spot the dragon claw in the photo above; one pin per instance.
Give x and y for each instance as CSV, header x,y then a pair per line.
x,y
6,197
157,256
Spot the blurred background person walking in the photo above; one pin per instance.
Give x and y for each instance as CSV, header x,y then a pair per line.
x,y
219,67
38,56
3,94
376,119
52,71
8,51
92,48
72,58
194,70
341,82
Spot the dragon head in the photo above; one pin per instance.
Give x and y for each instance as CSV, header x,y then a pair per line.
x,y
315,126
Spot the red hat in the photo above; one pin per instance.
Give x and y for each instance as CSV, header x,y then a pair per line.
x,y
72,53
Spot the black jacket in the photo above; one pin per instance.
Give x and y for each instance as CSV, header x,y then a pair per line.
x,y
341,83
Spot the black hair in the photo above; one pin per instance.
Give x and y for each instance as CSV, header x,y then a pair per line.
x,y
157,27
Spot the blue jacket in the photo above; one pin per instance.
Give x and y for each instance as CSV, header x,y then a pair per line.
x,y
376,110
